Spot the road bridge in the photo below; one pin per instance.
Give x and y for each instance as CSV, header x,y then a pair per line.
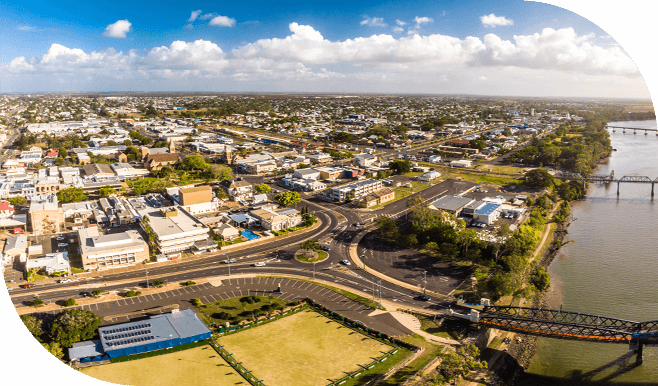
x,y
635,129
565,325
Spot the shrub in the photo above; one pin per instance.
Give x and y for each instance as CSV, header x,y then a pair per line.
x,y
158,283
188,283
196,302
221,315
266,308
132,293
69,302
96,292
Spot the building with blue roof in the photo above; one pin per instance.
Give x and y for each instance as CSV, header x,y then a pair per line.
x,y
487,213
156,333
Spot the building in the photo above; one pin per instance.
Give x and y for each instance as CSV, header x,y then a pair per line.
x,y
45,214
98,170
277,220
307,174
319,158
353,191
227,232
126,171
461,163
429,176
158,161
365,160
50,263
156,333
112,249
452,204
15,246
237,189
379,197
196,200
488,213
176,229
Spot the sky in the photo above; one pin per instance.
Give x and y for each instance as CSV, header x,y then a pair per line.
x,y
512,48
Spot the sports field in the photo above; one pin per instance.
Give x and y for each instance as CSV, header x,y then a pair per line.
x,y
200,366
304,349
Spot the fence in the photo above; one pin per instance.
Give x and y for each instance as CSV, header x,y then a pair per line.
x,y
231,330
160,352
228,357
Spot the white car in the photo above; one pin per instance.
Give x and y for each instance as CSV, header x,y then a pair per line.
x,y
230,261
65,281
261,264
346,262
61,238
62,245
9,288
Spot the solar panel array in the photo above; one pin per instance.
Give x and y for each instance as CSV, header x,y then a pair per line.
x,y
128,335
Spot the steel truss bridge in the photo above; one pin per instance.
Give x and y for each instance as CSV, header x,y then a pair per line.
x,y
609,179
569,325
635,129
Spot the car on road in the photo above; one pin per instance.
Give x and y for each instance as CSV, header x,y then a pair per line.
x,y
229,261
65,281
260,264
346,262
85,294
28,285
61,238
9,288
325,248
423,298
62,245
11,281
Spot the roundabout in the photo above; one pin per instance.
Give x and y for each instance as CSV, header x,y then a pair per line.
x,y
311,256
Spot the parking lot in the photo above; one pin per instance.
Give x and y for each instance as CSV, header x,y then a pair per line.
x,y
408,265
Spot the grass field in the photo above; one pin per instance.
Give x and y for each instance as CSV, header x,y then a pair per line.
x,y
302,349
200,366
234,310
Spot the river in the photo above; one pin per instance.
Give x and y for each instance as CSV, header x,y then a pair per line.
x,y
610,269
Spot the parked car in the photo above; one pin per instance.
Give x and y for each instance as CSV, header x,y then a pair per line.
x,y
260,264
9,288
28,285
325,248
229,261
423,298
60,238
62,245
346,262
65,281
85,294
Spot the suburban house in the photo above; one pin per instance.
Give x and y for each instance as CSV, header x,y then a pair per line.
x,y
237,188
50,263
227,232
379,197
277,220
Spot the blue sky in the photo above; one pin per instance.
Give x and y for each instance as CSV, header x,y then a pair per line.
x,y
341,46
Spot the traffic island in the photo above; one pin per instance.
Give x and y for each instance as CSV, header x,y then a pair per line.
x,y
311,256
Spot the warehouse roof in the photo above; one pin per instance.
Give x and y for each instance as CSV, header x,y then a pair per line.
x,y
451,203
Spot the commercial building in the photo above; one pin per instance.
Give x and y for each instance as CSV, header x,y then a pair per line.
x,y
277,220
196,200
111,250
156,333
488,213
452,204
176,229
50,263
45,215
237,189
379,197
354,191
461,163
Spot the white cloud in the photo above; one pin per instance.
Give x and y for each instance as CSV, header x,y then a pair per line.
x,y
194,15
222,21
422,20
189,26
482,77
25,28
398,29
305,55
374,22
207,16
400,23
117,30
493,20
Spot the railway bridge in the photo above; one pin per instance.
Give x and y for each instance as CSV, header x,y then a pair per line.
x,y
602,179
635,129
564,325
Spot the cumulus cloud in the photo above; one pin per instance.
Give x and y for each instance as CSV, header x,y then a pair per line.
x,y
222,21
493,20
25,28
398,29
117,30
207,16
306,55
374,22
422,20
400,23
194,15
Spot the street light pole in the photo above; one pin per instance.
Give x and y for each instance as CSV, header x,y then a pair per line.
x,y
424,281
147,278
380,294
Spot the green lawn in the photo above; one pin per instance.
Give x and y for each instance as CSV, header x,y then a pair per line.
x,y
200,366
431,352
233,310
302,349
321,256
431,326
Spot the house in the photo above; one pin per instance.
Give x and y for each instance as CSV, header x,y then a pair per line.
x,y
50,263
15,246
307,174
277,220
226,232
435,159
365,160
379,197
158,161
237,188
319,158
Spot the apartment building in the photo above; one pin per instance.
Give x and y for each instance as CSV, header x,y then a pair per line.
x,y
354,191
111,250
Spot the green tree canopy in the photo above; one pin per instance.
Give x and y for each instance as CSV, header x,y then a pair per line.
x,y
72,195
69,302
288,198
400,166
71,326
33,325
219,172
262,188
54,348
539,178
17,200
106,191
194,162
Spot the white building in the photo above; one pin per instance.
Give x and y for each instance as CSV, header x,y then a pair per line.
x,y
461,163
354,191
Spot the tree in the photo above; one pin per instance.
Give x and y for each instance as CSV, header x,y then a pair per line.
x,y
37,302
539,178
69,302
309,245
33,325
106,191
219,172
96,292
387,228
158,283
62,152
288,198
71,326
17,200
194,162
59,161
72,195
540,279
54,348
262,188
400,166
128,142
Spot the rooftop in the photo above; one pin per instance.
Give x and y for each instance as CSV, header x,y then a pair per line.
x,y
451,203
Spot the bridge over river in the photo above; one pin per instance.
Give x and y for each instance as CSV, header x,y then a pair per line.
x,y
635,129
609,179
564,325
